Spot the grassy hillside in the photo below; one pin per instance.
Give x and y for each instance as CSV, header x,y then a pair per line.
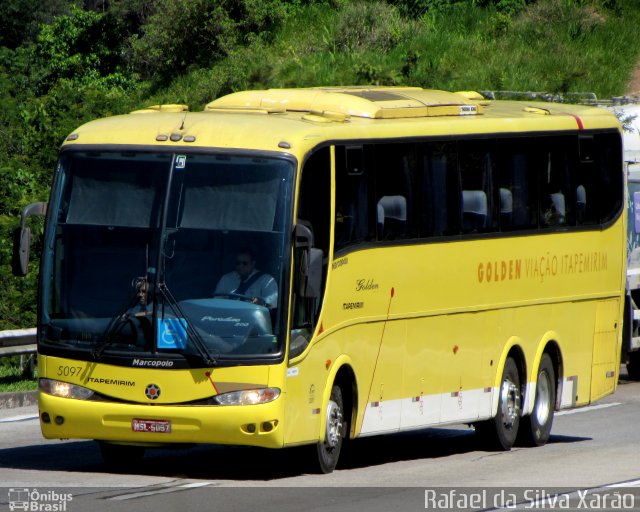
x,y
65,66
549,45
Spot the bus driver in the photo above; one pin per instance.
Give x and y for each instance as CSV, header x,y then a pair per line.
x,y
248,281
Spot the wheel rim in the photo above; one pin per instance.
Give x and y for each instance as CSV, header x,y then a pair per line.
x,y
334,425
510,400
543,398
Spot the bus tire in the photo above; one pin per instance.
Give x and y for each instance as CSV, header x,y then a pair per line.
x,y
633,365
535,428
500,432
329,450
119,456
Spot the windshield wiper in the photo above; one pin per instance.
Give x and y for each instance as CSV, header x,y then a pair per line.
x,y
120,320
192,334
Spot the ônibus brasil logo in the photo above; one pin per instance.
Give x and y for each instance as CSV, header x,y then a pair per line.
x,y
38,501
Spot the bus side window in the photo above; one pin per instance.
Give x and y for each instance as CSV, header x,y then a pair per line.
x,y
437,190
352,213
394,166
517,186
314,207
597,182
479,201
555,205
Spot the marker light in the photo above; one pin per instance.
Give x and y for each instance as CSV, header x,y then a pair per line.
x,y
248,396
64,389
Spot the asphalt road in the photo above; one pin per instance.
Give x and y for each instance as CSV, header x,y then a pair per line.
x,y
591,462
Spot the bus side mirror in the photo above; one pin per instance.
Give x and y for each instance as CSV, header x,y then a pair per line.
x,y
22,239
311,273
21,243
310,263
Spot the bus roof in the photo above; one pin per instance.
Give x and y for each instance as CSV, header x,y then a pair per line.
x,y
292,120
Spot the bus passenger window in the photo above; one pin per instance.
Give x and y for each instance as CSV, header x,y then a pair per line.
x,y
352,198
607,155
517,186
478,193
554,186
394,166
437,191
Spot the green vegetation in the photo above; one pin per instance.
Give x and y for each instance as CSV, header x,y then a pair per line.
x,y
64,62
15,375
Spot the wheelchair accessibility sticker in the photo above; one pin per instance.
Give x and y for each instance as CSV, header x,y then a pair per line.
x,y
172,333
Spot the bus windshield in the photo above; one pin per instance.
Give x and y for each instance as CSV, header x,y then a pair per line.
x,y
633,232
174,254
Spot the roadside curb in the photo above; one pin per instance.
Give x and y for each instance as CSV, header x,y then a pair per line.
x,y
18,399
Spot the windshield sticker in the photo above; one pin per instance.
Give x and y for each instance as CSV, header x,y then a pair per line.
x,y
181,162
172,333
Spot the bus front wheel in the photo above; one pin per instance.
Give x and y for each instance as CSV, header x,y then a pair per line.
x,y
329,449
500,432
535,429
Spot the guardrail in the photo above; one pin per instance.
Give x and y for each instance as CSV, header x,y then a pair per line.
x,y
585,98
17,342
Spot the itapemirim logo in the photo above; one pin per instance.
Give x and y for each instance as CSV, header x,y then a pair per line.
x,y
33,500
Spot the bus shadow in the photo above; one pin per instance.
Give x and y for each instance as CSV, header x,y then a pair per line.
x,y
246,463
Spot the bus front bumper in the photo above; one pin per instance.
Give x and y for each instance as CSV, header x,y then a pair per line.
x,y
249,425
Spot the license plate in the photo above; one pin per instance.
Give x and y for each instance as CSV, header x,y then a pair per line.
x,y
153,426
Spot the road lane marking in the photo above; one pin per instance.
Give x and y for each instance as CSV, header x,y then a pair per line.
x,y
587,409
630,483
23,417
162,490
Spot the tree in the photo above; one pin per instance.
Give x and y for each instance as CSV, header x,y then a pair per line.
x,y
85,46
184,34
20,20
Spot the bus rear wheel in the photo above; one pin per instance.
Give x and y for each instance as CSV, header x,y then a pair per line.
x,y
633,366
500,432
535,429
329,449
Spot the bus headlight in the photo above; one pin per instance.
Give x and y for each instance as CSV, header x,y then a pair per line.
x,y
248,396
64,389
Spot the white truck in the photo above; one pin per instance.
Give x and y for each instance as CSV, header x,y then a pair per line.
x,y
629,115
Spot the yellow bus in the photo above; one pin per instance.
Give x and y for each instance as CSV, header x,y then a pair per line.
x,y
309,266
